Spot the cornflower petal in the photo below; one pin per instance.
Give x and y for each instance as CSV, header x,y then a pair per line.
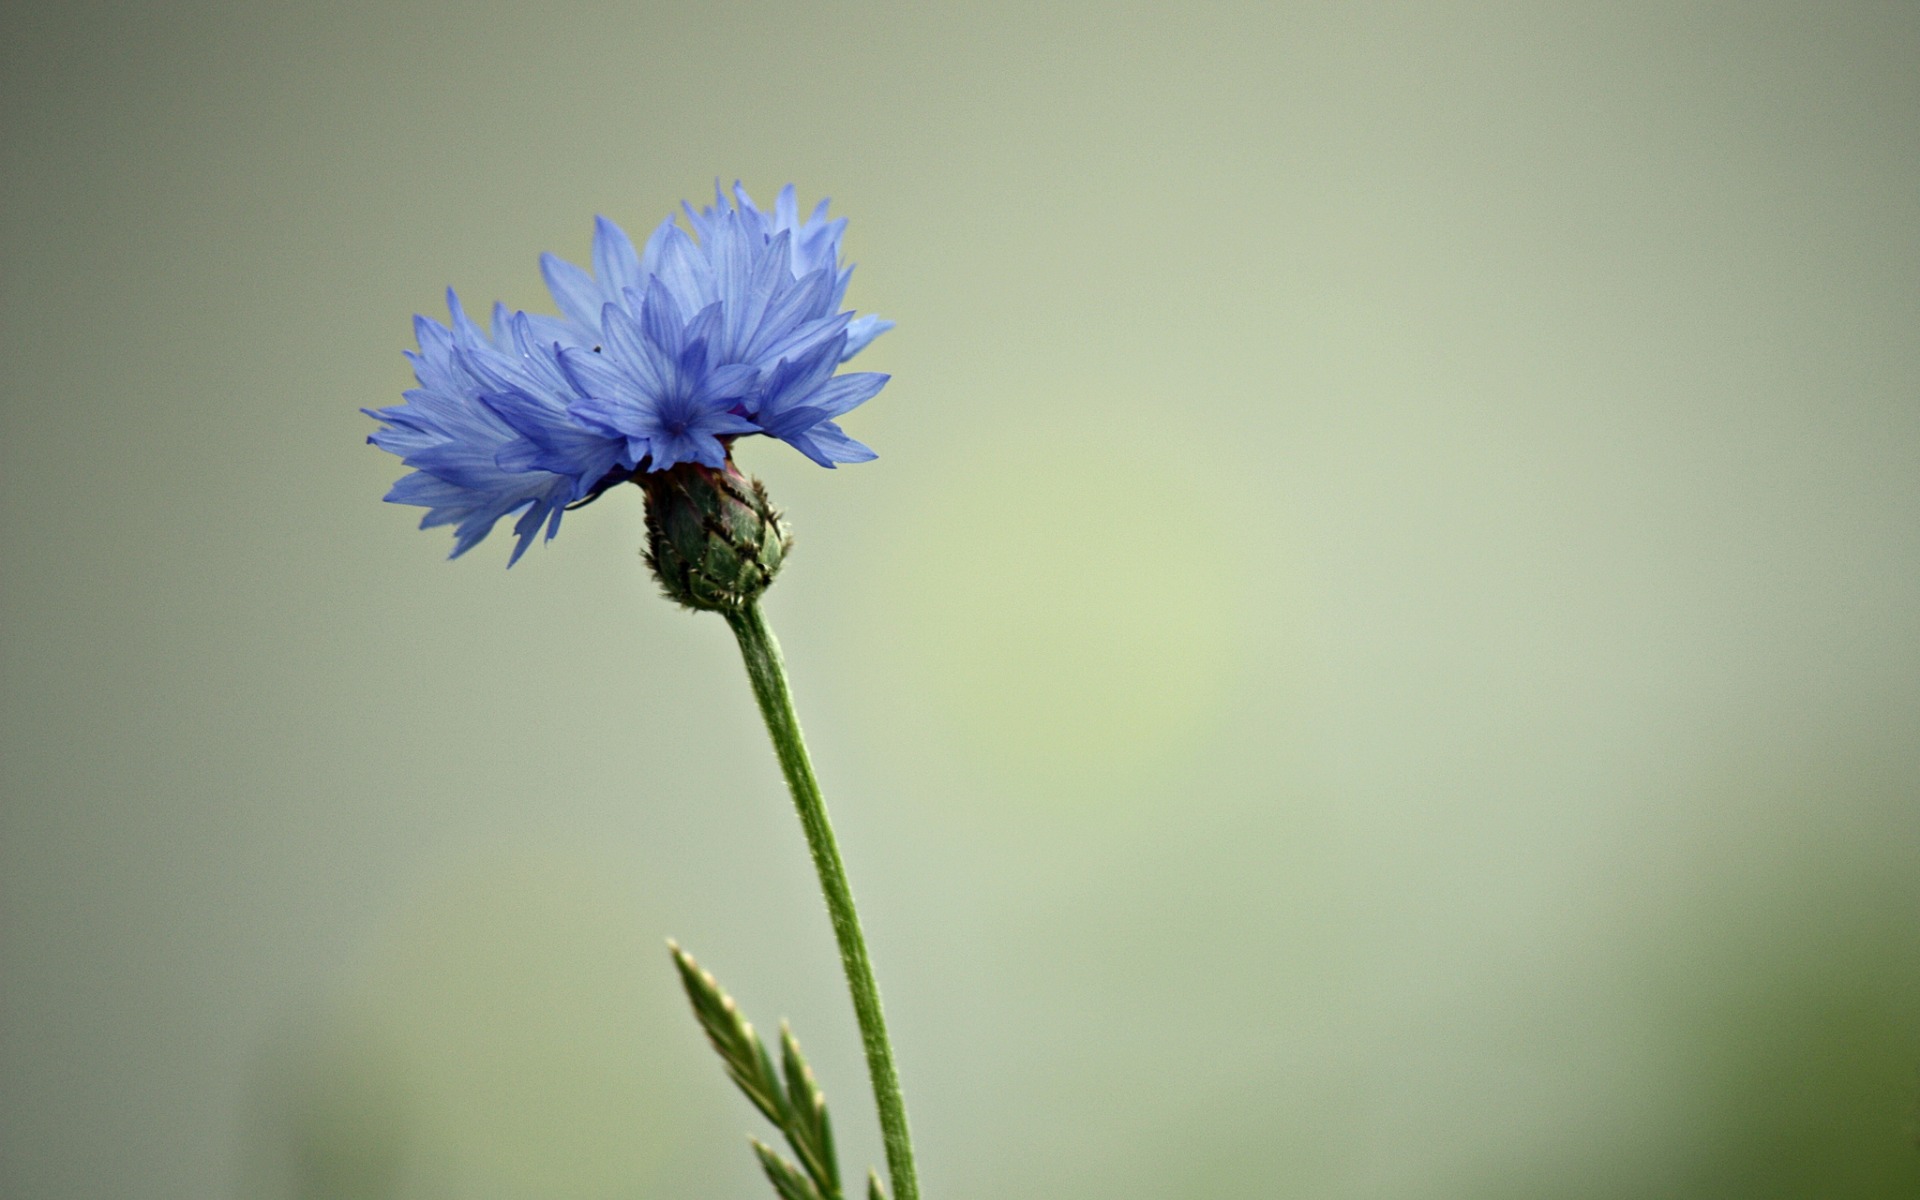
x,y
615,265
826,444
681,270
627,345
844,393
861,331
591,374
575,291
662,320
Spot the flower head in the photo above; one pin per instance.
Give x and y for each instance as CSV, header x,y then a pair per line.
x,y
660,356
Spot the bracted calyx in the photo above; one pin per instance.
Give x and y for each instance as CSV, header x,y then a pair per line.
x,y
714,540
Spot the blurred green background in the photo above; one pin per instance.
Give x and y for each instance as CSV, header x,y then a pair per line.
x,y
1379,658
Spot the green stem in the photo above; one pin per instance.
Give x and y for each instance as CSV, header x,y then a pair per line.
x,y
769,676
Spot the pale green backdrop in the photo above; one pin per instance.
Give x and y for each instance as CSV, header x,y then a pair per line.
x,y
1380,657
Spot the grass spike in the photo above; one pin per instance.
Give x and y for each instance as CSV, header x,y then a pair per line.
x,y
733,1038
785,1177
810,1130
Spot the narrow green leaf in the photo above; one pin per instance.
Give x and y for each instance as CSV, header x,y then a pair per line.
x,y
810,1130
874,1190
785,1177
733,1038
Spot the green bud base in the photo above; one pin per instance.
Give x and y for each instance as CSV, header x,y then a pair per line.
x,y
714,540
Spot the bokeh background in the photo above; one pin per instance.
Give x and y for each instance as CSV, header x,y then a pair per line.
x,y
1379,658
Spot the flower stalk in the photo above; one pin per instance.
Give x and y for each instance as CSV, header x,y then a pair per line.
x,y
767,673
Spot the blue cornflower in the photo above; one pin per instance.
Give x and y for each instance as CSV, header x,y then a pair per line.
x,y
659,357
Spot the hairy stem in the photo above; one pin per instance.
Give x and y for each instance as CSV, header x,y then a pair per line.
x,y
769,677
